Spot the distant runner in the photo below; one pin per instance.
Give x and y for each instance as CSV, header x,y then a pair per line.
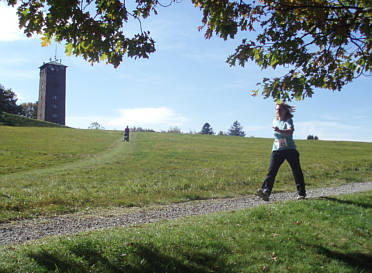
x,y
284,148
126,134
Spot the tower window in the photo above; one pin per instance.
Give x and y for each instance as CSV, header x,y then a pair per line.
x,y
54,99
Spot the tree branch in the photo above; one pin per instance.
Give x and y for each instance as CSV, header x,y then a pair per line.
x,y
139,20
320,7
164,6
357,45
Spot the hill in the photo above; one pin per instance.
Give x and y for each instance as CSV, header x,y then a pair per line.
x,y
17,120
53,170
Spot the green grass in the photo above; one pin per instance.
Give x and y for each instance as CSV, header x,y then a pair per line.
x,y
26,148
320,235
47,171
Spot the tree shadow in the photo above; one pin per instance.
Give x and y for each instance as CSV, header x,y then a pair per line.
x,y
51,261
139,259
359,204
359,261
149,259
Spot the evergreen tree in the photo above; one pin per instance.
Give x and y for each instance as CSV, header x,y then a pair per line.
x,y
236,130
207,129
8,101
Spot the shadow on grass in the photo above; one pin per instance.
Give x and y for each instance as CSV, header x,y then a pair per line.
x,y
362,205
140,259
50,261
359,261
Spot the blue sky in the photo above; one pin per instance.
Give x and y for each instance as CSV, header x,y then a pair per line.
x,y
185,83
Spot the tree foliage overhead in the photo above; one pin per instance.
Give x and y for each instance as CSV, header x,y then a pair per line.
x,y
321,43
93,29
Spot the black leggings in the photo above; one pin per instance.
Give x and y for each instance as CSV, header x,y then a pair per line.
x,y
276,160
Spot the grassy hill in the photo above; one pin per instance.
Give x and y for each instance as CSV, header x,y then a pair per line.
x,y
17,120
48,171
45,171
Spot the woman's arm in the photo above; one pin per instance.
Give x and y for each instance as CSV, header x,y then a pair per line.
x,y
287,132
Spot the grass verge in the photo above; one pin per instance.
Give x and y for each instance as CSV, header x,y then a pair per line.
x,y
320,235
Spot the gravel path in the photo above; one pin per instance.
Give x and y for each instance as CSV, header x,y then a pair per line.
x,y
26,230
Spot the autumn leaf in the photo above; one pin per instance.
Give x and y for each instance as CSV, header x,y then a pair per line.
x,y
254,93
45,41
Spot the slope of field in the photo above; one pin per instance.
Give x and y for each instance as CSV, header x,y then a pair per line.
x,y
18,120
54,171
34,148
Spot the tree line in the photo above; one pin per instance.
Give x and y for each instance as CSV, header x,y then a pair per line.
x,y
235,130
8,104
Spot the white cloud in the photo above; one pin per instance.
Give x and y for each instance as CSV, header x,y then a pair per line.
x,y
83,122
160,118
332,130
9,24
154,118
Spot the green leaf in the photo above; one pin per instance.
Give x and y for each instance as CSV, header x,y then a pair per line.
x,y
273,61
103,57
68,49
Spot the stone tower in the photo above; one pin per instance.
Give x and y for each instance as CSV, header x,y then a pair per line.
x,y
52,93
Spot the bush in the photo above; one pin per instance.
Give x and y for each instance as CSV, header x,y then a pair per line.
x,y
174,130
311,137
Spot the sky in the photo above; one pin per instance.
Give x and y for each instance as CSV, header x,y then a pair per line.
x,y
184,84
